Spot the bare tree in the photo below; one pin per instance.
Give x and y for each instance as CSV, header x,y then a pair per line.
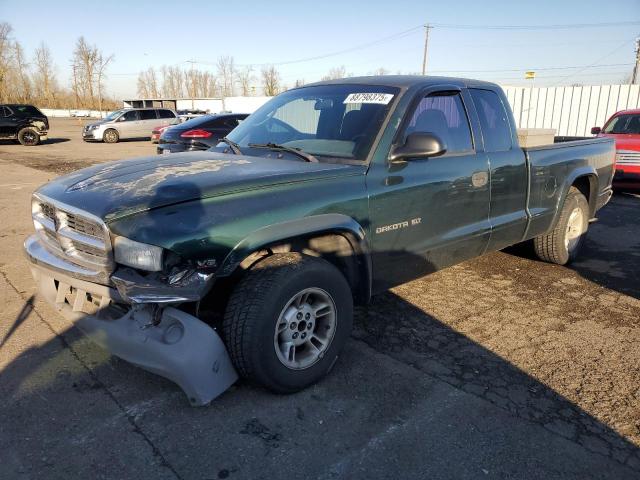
x,y
44,79
101,68
6,60
381,71
299,82
336,73
270,81
89,68
148,86
172,82
226,75
245,79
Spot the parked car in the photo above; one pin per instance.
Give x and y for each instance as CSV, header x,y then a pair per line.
x,y
199,133
156,132
80,113
624,128
127,123
326,195
24,123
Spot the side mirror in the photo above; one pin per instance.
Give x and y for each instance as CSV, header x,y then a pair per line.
x,y
596,130
418,145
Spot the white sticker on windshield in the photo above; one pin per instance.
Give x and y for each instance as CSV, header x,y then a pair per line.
x,y
381,98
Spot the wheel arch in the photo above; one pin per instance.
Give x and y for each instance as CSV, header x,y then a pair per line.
x,y
586,181
335,237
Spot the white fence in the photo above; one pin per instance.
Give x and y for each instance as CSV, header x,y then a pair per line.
x,y
59,112
571,111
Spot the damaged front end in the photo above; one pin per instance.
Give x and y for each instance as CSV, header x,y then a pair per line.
x,y
134,315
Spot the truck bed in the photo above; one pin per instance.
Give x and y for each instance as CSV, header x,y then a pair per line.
x,y
553,169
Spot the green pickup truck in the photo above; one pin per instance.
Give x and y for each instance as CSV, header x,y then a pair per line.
x,y
247,259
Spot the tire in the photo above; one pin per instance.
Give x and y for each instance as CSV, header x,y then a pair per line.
x,y
29,137
110,136
262,319
562,245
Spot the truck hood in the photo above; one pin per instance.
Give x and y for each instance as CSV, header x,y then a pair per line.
x,y
116,189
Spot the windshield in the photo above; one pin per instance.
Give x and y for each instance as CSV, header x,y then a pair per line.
x,y
113,115
624,124
331,121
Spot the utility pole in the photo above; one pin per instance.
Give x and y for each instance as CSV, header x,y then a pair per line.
x,y
193,85
427,27
636,68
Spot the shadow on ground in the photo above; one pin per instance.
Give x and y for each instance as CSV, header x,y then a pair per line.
x,y
611,252
69,409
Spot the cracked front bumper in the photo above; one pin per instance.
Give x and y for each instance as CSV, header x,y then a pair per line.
x,y
173,344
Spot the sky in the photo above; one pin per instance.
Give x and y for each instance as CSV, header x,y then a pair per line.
x,y
362,35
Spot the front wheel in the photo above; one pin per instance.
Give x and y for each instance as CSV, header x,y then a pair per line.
x,y
562,245
29,136
287,321
110,136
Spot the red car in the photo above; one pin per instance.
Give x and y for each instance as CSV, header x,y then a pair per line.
x,y
156,132
624,127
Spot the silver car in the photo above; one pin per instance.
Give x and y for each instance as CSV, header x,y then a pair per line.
x,y
128,123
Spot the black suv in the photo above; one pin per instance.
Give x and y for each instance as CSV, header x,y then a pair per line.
x,y
24,123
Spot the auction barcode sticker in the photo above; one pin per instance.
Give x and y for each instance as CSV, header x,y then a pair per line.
x,y
381,98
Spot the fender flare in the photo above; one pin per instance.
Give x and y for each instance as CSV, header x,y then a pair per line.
x,y
592,175
328,223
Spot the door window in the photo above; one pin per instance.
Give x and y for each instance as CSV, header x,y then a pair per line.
x,y
130,116
496,130
148,115
443,114
166,114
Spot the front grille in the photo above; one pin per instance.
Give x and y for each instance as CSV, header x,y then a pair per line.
x,y
628,158
82,225
78,236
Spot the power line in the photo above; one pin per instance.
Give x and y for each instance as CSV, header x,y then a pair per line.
x,y
594,64
537,27
533,68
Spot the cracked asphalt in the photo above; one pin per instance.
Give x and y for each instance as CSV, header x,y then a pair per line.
x,y
501,367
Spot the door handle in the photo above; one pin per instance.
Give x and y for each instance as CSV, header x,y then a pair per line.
x,y
479,179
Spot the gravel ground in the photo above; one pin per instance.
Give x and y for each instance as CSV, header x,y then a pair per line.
x,y
502,366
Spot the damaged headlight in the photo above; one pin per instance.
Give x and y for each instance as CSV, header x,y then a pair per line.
x,y
137,255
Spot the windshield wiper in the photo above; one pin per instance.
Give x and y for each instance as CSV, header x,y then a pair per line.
x,y
296,151
235,148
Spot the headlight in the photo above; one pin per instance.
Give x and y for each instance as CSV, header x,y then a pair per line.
x,y
137,255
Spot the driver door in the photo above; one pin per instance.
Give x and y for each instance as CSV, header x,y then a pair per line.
x,y
129,124
429,213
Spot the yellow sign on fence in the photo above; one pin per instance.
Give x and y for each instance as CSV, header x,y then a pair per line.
x,y
529,75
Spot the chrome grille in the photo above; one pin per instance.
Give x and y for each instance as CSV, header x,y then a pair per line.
x,y
75,235
628,158
84,226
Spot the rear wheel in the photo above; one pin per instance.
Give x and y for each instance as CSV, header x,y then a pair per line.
x,y
287,321
562,245
29,136
110,136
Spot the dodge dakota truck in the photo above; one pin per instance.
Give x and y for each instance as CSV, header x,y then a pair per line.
x,y
246,259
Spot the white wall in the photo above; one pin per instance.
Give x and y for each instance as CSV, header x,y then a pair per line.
x,y
211,105
58,112
244,104
571,111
